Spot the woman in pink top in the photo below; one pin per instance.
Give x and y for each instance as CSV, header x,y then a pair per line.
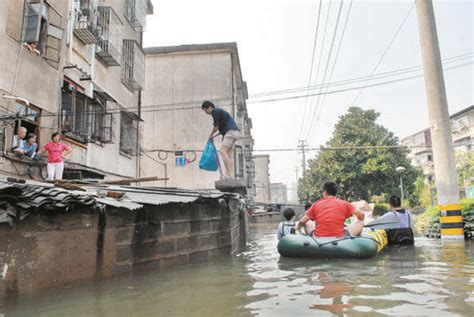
x,y
56,152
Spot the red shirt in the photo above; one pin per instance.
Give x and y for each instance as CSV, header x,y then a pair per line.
x,y
55,151
330,214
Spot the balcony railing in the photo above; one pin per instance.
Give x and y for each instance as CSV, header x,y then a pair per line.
x,y
85,21
133,65
135,11
109,36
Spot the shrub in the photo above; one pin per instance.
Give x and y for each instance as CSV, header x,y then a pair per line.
x,y
379,210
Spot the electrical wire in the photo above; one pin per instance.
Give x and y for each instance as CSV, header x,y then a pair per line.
x,y
321,52
325,69
315,42
193,106
319,110
386,51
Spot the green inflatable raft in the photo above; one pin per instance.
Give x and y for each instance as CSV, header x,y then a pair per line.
x,y
362,247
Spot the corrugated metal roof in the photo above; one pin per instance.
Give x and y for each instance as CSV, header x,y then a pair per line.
x,y
19,200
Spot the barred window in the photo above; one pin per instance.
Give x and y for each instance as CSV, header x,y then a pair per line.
x,y
128,132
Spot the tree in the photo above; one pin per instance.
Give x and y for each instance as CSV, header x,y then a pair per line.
x,y
360,173
464,167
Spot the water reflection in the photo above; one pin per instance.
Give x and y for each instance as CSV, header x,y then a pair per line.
x,y
431,278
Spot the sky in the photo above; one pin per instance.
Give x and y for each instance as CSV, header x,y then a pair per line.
x,y
275,42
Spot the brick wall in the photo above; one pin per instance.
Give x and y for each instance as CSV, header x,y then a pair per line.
x,y
45,251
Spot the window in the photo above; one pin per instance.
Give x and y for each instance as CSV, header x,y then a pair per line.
x,y
460,123
135,11
29,119
42,32
128,132
133,65
83,118
85,20
109,33
239,162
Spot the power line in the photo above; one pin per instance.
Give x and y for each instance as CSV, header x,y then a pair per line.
x,y
315,42
319,110
333,40
171,106
386,51
320,56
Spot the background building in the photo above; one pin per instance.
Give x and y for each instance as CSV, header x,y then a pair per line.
x,y
179,79
80,65
279,193
421,155
262,179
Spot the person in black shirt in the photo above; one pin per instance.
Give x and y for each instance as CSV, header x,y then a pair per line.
x,y
225,124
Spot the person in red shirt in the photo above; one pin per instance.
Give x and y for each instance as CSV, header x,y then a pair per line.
x,y
56,152
329,213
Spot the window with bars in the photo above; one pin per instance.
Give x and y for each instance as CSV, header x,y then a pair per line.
x,y
128,132
42,32
135,11
85,22
133,65
83,118
109,35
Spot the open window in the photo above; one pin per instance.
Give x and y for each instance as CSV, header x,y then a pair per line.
x,y
42,30
29,118
85,20
128,132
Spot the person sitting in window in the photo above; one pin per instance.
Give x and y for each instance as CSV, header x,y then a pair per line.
x,y
56,153
28,147
32,47
18,138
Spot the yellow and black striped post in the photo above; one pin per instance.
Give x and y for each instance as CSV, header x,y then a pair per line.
x,y
452,225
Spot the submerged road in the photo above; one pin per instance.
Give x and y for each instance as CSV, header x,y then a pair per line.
x,y
432,278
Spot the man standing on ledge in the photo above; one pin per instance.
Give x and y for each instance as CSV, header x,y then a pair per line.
x,y
225,124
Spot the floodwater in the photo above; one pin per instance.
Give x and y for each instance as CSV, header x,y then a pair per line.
x,y
431,279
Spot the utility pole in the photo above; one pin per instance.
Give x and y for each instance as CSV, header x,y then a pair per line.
x,y
302,148
443,149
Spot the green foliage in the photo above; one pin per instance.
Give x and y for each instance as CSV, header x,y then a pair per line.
x,y
360,173
380,209
465,167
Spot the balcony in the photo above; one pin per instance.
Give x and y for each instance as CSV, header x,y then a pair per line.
x,y
85,21
135,11
109,37
133,65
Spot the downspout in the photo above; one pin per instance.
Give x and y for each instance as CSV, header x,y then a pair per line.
x,y
137,163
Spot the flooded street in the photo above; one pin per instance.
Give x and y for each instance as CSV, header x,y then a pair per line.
x,y
430,279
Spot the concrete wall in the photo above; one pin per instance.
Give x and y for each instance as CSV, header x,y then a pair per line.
x,y
45,251
176,81
262,178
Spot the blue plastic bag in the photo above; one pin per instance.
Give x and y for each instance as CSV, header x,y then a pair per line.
x,y
208,160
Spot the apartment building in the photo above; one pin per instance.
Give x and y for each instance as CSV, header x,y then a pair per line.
x,y
77,67
279,193
421,155
262,179
179,79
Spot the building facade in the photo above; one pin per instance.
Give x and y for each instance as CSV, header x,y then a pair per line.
x,y
421,155
179,79
279,193
76,67
262,179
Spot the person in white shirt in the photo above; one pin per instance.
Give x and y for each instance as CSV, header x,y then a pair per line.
x,y
288,226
